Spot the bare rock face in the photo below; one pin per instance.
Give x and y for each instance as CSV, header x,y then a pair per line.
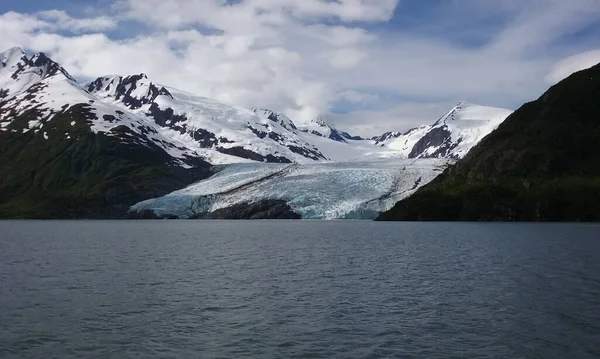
x,y
440,139
266,209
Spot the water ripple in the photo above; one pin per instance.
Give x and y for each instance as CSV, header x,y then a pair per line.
x,y
298,290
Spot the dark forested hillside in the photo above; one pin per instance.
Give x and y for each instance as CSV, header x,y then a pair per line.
x,y
84,174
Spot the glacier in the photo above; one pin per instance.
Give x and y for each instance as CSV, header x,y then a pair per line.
x,y
348,190
258,154
362,178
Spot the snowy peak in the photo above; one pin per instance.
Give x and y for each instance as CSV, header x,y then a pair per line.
x,y
11,57
320,127
464,111
39,96
260,134
467,114
190,126
47,67
320,121
18,72
134,91
452,136
452,114
277,117
381,139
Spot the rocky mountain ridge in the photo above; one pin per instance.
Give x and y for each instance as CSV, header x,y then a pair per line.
x,y
101,147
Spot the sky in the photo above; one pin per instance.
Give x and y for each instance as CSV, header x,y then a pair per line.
x,y
368,66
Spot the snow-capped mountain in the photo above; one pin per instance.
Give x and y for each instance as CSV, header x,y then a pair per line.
x,y
320,127
36,91
119,140
184,125
382,139
206,123
452,136
190,126
276,117
18,72
67,154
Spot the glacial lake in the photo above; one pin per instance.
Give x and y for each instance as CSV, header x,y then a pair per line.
x,y
308,289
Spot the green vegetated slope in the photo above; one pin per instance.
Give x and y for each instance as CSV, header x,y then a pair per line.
x,y
541,164
67,171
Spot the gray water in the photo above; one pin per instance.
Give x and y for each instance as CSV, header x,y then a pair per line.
x,y
204,289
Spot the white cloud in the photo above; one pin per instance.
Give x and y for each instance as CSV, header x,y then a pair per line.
x,y
252,14
13,22
572,64
62,20
301,57
345,58
357,96
345,10
14,25
340,35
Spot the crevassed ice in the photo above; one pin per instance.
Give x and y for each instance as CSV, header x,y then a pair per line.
x,y
356,190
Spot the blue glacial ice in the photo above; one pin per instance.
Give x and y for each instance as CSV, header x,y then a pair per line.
x,y
351,190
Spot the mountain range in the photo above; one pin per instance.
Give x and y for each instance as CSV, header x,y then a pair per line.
x,y
94,150
540,164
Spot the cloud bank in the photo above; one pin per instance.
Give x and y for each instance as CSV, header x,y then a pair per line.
x,y
363,62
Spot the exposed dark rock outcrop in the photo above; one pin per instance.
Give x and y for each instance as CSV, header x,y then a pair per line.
x,y
381,139
126,86
325,130
348,136
277,118
42,65
438,137
265,209
244,153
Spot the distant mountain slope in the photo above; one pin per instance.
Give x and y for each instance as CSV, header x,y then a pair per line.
x,y
64,154
38,89
452,136
382,139
205,123
18,72
190,126
541,164
320,127
185,125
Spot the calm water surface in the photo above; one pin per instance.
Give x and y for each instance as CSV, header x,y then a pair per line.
x,y
203,289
